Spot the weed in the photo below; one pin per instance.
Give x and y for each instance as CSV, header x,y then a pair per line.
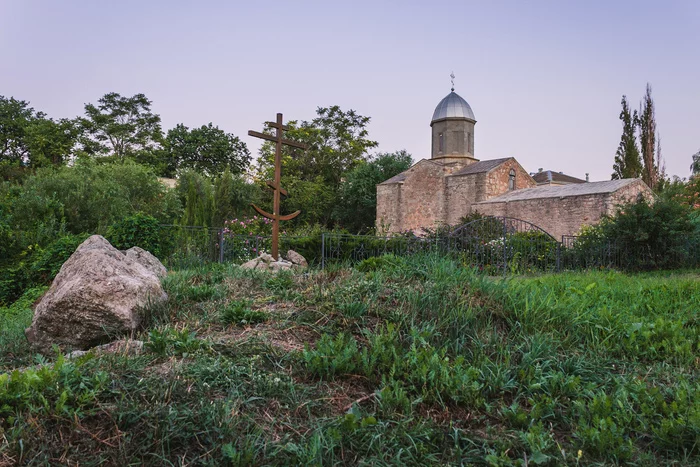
x,y
239,312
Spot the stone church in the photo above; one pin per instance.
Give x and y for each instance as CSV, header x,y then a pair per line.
x,y
453,183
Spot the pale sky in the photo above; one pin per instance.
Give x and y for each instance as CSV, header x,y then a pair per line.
x,y
544,78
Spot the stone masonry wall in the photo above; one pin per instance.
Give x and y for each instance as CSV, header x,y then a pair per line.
x,y
416,202
463,190
388,207
565,216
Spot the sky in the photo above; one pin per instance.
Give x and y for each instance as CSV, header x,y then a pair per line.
x,y
544,78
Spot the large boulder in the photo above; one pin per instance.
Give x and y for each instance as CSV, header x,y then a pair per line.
x,y
99,294
147,260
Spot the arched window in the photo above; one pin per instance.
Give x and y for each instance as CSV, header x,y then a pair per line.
x,y
511,180
441,143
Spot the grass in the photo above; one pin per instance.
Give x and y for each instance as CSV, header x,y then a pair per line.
x,y
398,361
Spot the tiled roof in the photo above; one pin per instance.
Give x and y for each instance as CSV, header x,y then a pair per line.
x,y
560,191
481,167
551,176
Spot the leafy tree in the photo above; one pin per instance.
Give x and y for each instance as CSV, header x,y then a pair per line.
x,y
15,116
647,136
337,142
87,197
29,140
357,204
206,149
120,126
232,197
196,194
51,142
627,161
695,166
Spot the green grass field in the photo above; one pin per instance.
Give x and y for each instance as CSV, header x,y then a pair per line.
x,y
395,362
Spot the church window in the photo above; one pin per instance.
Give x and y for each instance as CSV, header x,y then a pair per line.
x,y
441,143
470,143
511,180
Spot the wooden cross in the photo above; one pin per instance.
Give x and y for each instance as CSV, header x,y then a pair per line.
x,y
275,184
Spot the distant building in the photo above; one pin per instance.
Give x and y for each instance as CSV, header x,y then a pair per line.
x,y
453,183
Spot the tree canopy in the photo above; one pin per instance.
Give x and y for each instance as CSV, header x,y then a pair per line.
x,y
206,149
357,204
627,161
120,126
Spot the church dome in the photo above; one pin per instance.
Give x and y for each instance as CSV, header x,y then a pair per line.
x,y
453,106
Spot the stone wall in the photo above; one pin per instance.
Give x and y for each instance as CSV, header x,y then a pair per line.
x,y
565,215
463,190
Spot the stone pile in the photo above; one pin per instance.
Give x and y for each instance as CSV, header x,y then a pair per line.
x,y
266,262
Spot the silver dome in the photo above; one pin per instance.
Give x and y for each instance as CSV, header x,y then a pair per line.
x,y
453,106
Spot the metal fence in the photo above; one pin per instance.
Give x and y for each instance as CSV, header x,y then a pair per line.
x,y
492,245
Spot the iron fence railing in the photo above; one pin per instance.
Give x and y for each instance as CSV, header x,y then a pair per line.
x,y
491,245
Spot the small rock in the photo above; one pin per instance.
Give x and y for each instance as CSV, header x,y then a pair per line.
x,y
297,259
252,264
266,257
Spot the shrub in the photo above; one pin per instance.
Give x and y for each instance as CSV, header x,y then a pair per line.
x,y
143,231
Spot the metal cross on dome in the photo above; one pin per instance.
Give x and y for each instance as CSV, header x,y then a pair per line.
x,y
275,184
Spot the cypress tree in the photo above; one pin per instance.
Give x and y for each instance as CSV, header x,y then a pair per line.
x,y
627,162
647,136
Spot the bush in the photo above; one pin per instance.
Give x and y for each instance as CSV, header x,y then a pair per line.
x,y
645,236
143,231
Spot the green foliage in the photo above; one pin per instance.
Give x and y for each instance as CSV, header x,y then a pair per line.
x,y
87,197
169,341
29,140
239,312
628,163
143,231
357,202
436,366
658,235
46,262
207,150
196,194
120,126
374,263
337,141
232,197
695,166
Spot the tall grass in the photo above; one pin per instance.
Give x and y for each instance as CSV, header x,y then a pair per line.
x,y
398,361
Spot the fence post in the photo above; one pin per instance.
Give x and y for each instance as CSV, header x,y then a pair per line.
x,y
323,250
559,254
221,245
505,255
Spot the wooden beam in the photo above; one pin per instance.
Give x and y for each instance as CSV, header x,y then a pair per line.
x,y
274,139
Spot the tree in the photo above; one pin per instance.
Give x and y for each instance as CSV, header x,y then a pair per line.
x,y
337,141
357,204
647,136
15,116
51,142
695,166
120,126
206,149
232,197
627,161
196,194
